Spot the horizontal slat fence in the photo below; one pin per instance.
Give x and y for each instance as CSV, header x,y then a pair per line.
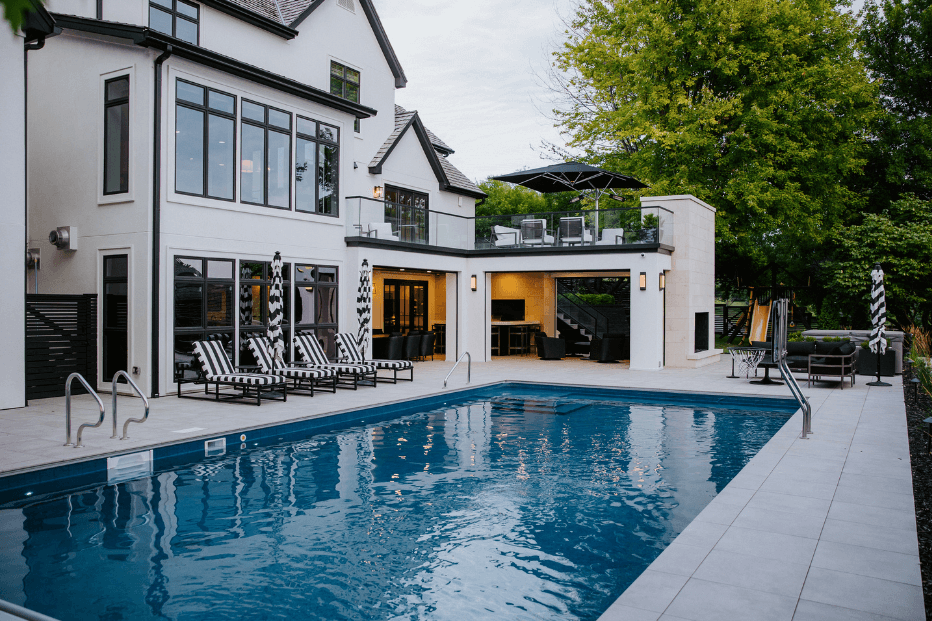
x,y
61,338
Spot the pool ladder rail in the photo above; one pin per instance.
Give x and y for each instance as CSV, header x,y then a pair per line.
x,y
100,405
781,312
468,369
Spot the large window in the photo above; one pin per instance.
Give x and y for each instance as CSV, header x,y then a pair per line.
x,y
407,210
315,303
317,168
115,315
266,156
344,82
175,17
116,135
205,141
203,303
255,279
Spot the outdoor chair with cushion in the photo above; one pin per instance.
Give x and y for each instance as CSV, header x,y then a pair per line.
x,y
303,378
534,232
612,347
427,345
412,349
503,236
349,375
832,360
611,237
797,355
396,347
217,369
382,230
573,231
549,348
350,349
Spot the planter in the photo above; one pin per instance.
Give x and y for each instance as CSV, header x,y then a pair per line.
x,y
867,363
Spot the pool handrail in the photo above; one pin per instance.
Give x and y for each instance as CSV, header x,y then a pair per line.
x,y
781,308
23,613
468,369
93,393
145,402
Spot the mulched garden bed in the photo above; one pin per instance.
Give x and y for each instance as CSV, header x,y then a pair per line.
x,y
919,407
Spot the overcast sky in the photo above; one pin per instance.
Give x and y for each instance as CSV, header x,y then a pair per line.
x,y
472,71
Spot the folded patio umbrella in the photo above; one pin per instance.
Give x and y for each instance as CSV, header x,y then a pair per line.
x,y
364,305
878,342
276,306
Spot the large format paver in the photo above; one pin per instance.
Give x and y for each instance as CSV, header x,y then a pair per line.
x,y
822,528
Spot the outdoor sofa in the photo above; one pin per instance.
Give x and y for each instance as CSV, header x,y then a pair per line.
x,y
216,369
817,359
611,347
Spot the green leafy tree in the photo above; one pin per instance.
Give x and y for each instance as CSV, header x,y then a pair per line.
x,y
897,40
507,198
14,11
759,107
900,239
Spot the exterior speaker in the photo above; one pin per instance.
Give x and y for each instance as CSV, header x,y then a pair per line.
x,y
64,238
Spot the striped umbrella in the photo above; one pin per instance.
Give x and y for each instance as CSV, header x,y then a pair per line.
x,y
364,305
276,305
878,342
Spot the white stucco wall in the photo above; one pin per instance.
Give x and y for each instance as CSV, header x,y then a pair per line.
x,y
12,219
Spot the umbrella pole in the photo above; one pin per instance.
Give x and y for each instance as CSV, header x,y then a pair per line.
x,y
878,381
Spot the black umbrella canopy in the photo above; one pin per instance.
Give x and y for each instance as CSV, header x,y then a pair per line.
x,y
570,177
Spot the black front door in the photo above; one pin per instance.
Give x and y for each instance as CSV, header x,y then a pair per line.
x,y
116,314
404,305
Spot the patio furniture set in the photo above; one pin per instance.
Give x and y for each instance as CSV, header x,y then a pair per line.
x,y
272,379
819,360
572,231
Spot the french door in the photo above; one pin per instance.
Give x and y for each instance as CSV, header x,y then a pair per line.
x,y
405,305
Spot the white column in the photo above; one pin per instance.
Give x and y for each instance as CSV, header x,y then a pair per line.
x,y
647,309
452,293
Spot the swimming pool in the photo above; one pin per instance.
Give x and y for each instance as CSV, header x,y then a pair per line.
x,y
512,502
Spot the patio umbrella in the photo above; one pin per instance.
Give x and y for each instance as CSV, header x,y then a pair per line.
x,y
276,305
245,303
878,342
572,177
364,305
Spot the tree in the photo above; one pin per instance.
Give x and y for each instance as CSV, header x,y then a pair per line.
x,y
759,107
897,39
14,11
900,239
507,198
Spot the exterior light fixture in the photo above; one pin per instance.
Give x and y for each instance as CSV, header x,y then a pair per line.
x,y
377,191
642,281
473,282
663,281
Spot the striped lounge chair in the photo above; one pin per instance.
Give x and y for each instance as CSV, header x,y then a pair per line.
x,y
303,378
217,369
349,375
350,349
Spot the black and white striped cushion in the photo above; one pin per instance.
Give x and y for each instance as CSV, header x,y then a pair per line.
x,y
309,348
261,349
305,372
213,358
249,379
392,364
347,344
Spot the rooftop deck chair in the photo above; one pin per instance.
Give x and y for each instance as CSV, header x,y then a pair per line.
x,y
611,237
534,232
350,348
217,369
349,375
304,379
573,231
382,230
503,236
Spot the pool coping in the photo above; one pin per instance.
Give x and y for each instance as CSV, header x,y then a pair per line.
x,y
36,481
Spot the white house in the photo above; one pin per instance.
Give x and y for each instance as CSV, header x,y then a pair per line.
x,y
179,144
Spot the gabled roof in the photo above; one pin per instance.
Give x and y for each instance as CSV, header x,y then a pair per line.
x,y
284,16
450,178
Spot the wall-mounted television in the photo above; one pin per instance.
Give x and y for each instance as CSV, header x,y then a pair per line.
x,y
507,310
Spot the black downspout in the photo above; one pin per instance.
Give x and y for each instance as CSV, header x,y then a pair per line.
x,y
156,218
27,47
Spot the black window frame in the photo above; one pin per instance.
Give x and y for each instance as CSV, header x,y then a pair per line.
x,y
207,110
114,329
267,127
341,74
315,282
176,15
318,140
124,142
205,331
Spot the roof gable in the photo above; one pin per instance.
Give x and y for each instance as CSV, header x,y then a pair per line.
x,y
450,178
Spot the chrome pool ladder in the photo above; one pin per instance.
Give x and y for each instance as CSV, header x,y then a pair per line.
x,y
145,403
93,393
468,369
781,312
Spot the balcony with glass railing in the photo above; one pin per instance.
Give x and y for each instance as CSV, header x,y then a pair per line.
x,y
642,228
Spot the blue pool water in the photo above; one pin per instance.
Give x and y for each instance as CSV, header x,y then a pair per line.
x,y
523,505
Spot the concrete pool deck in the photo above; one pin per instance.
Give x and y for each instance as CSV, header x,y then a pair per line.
x,y
822,528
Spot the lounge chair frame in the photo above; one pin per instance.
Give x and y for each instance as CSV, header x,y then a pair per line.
x,y
303,379
350,348
349,375
247,386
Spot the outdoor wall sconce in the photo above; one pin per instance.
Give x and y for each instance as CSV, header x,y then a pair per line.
x,y
663,281
642,281
377,192
473,284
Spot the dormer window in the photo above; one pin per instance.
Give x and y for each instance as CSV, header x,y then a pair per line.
x,y
176,18
344,82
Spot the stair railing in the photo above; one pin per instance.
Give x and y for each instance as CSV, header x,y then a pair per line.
x,y
781,308
573,310
93,393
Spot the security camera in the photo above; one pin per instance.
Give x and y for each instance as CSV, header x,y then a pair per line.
x,y
64,238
